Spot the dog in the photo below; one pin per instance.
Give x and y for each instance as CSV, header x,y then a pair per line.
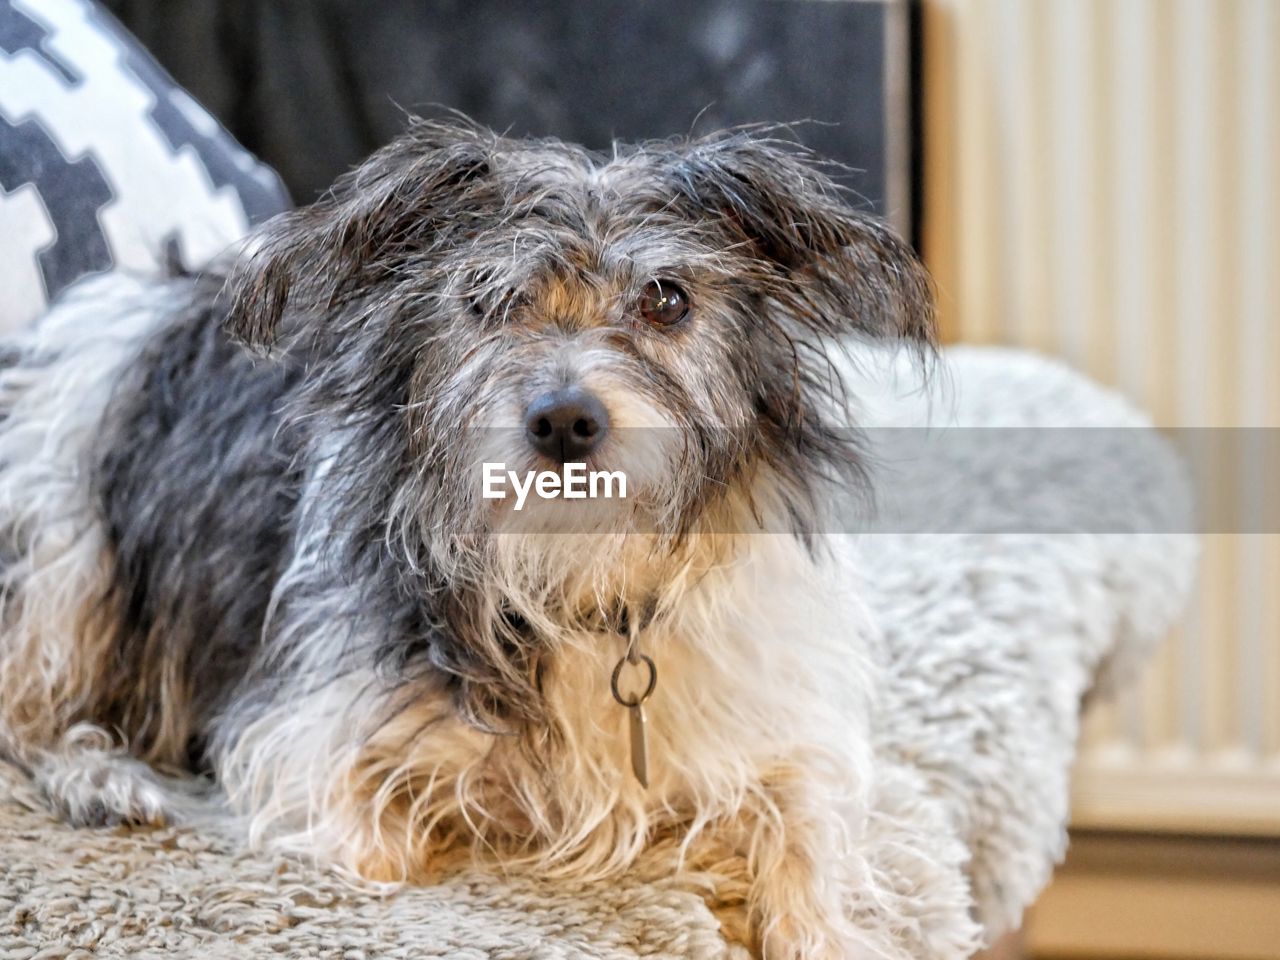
x,y
243,527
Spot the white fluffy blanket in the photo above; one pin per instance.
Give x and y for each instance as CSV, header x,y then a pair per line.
x,y
993,639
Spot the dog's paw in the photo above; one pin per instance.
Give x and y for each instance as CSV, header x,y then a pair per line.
x,y
97,789
785,941
804,931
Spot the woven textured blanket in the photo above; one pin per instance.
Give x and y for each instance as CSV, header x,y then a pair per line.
x,y
1062,557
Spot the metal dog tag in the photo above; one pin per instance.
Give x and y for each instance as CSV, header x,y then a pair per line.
x,y
635,707
639,745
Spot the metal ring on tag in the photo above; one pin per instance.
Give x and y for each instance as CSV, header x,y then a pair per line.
x,y
649,688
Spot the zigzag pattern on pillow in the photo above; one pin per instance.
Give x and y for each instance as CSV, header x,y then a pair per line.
x,y
105,162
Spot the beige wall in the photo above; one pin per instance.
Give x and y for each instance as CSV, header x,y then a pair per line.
x,y
1103,182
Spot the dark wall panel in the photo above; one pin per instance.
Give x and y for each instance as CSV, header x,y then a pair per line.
x,y
314,86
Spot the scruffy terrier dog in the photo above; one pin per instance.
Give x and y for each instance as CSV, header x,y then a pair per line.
x,y
278,565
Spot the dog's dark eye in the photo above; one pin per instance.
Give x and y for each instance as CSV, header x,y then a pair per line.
x,y
496,307
663,304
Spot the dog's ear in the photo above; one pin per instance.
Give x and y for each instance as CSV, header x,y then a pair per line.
x,y
376,219
840,270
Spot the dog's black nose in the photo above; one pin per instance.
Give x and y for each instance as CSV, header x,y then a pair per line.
x,y
566,424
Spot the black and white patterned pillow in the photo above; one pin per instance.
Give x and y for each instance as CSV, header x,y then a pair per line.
x,y
105,162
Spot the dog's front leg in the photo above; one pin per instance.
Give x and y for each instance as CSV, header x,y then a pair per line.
x,y
797,842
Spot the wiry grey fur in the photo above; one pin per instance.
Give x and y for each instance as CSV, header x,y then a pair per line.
x,y
452,242
295,545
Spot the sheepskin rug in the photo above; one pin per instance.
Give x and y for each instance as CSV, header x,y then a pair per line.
x,y
1013,571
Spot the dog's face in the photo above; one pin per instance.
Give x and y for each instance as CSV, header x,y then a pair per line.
x,y
463,298
667,312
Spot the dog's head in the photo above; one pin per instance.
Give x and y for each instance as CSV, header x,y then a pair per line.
x,y
667,311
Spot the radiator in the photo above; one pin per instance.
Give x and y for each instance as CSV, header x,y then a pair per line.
x,y
1102,182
